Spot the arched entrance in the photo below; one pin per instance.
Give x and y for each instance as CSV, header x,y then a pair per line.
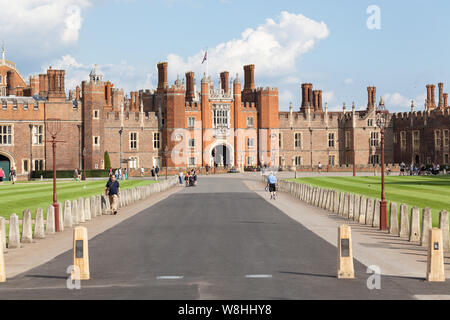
x,y
5,164
221,156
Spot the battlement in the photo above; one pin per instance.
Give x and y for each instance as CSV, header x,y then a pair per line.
x,y
131,119
249,105
191,105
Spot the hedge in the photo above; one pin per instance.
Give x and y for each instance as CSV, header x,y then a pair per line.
x,y
69,174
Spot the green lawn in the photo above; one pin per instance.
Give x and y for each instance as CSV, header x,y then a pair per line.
x,y
16,198
428,191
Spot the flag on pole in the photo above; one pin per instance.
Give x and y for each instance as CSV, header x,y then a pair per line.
x,y
205,58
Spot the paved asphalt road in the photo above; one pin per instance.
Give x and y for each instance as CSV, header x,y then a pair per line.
x,y
215,236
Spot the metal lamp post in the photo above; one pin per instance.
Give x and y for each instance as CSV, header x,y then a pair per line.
x,y
54,126
165,159
31,152
84,164
382,124
120,143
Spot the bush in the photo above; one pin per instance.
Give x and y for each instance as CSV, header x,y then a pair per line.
x,y
107,161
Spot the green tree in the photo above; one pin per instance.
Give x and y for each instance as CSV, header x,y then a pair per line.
x,y
107,161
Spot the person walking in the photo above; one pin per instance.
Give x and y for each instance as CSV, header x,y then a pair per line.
x,y
186,178
153,172
156,172
272,181
320,167
180,178
2,175
12,175
75,174
112,190
142,172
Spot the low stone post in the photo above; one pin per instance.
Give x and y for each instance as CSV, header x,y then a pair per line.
x,y
75,215
50,226
87,209
414,232
393,219
14,234
427,225
404,221
369,212
27,228
444,226
39,225
362,210
376,214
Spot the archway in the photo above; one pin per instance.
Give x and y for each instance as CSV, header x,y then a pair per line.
x,y
5,164
221,155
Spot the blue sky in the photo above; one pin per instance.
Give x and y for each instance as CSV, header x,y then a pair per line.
x,y
323,42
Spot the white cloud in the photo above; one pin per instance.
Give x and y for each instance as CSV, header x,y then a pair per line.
x,y
123,75
348,81
41,26
328,96
398,100
285,98
274,48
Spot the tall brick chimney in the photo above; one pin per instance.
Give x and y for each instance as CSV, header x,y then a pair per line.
x,y
441,95
77,93
433,100
445,100
372,97
162,75
304,96
319,103
190,81
315,99
224,80
249,76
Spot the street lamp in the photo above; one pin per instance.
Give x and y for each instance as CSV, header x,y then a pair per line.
x,y
31,152
165,158
84,164
54,127
120,143
382,123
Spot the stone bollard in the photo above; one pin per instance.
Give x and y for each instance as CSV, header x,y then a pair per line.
x,y
81,213
346,202
68,222
27,228
336,202
427,225
105,205
98,205
39,225
80,254
404,221
393,219
369,212
376,214
444,226
50,226
2,263
414,230
60,217
14,234
356,206
345,253
362,210
351,208
92,207
435,265
3,232
341,203
75,215
87,209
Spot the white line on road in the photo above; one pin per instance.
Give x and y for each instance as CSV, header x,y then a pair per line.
x,y
258,276
169,277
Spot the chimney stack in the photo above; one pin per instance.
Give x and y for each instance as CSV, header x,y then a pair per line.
x,y
224,80
433,100
77,93
319,105
249,76
190,93
445,100
441,95
162,75
315,99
